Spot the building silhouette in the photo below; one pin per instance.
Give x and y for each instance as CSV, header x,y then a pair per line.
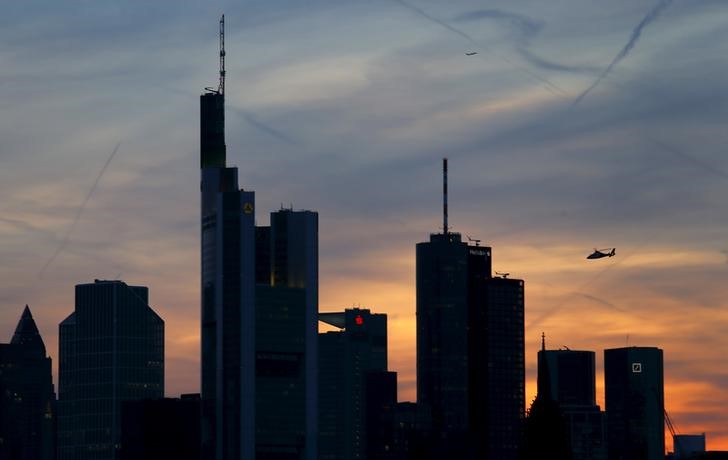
x,y
572,382
354,382
634,403
687,446
111,349
546,435
27,400
286,347
228,296
161,429
259,305
470,349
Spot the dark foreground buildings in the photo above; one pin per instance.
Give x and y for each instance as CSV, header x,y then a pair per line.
x,y
572,383
635,403
111,349
27,401
546,435
354,382
161,429
470,350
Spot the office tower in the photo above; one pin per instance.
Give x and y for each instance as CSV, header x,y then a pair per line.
x,y
111,349
573,387
353,379
286,309
635,403
259,305
161,429
27,401
228,291
545,427
470,348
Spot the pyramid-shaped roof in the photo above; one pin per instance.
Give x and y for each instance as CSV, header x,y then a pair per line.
x,y
26,333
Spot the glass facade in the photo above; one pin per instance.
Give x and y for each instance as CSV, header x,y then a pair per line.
x,y
111,349
470,350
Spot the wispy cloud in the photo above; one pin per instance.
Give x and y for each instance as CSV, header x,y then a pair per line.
x,y
634,37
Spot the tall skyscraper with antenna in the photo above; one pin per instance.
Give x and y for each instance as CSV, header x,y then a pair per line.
x,y
259,307
228,289
470,349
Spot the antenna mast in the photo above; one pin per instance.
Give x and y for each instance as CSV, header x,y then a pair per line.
x,y
444,196
221,87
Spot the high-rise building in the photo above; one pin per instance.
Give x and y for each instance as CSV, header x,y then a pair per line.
x,y
545,427
111,349
228,292
286,398
259,312
470,349
635,403
572,375
353,378
27,400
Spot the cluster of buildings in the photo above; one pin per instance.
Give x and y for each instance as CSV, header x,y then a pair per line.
x,y
274,388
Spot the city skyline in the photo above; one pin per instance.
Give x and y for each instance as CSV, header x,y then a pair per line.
x,y
341,124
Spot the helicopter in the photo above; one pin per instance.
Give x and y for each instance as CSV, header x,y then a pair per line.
x,y
599,253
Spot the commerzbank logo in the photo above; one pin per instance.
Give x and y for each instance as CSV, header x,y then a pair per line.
x,y
248,208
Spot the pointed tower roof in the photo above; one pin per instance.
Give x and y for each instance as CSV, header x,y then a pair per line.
x,y
544,374
26,333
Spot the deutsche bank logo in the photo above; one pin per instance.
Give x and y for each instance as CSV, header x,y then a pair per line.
x,y
637,368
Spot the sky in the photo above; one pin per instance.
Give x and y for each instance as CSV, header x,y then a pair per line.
x,y
579,124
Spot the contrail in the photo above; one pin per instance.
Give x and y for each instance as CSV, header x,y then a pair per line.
x,y
550,85
636,33
691,159
81,208
264,127
580,290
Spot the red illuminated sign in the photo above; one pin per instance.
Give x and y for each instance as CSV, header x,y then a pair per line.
x,y
359,320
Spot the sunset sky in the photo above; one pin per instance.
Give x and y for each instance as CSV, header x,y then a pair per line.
x,y
579,124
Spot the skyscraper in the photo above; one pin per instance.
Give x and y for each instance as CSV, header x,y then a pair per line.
x,y
545,433
259,312
228,291
573,387
470,348
352,360
111,349
27,401
635,403
286,359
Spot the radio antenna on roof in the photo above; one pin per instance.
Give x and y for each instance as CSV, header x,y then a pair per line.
x,y
221,87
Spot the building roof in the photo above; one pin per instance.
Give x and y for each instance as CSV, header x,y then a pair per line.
x,y
26,333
